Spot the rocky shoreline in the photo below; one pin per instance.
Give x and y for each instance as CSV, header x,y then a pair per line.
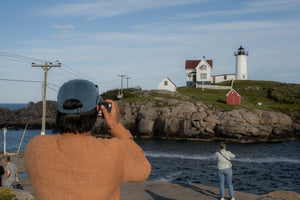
x,y
175,119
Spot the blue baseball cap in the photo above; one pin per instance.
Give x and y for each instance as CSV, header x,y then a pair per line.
x,y
82,90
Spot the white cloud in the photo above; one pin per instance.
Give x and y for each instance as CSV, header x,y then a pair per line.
x,y
61,36
108,8
258,6
274,3
238,26
132,38
67,26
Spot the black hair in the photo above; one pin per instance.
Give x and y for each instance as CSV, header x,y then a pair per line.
x,y
75,122
6,158
222,145
72,104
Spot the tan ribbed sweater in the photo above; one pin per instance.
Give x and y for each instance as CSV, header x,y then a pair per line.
x,y
68,166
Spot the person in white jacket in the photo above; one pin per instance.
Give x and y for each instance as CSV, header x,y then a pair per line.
x,y
224,170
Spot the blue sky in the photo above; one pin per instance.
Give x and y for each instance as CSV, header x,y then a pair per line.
x,y
146,40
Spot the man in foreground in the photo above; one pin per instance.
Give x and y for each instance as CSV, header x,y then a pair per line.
x,y
75,165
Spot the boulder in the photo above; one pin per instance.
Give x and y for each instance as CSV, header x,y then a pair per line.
x,y
145,126
283,194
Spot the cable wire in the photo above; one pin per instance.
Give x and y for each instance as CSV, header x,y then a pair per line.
x,y
27,81
4,79
20,57
11,59
52,89
78,74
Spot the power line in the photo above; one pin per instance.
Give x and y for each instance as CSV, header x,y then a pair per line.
x,y
53,85
20,57
26,81
77,73
4,79
70,71
64,75
52,89
11,59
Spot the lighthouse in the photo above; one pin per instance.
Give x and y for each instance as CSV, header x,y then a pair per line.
x,y
241,64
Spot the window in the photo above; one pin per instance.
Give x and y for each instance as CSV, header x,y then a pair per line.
x,y
203,76
225,77
166,83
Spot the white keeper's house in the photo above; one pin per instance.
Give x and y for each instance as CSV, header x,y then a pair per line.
x,y
199,72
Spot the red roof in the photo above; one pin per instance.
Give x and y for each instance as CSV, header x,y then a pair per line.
x,y
232,92
192,64
171,81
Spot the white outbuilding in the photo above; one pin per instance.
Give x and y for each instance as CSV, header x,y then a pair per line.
x,y
167,84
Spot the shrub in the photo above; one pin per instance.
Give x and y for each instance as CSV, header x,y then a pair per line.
x,y
285,93
5,194
112,94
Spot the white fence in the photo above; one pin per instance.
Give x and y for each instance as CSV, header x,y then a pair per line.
x,y
215,87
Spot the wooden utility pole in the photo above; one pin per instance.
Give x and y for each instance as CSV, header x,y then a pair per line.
x,y
127,81
120,95
46,67
4,140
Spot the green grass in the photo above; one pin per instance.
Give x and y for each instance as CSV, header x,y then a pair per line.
x,y
251,92
134,95
273,96
210,97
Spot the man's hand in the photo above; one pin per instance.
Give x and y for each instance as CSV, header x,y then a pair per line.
x,y
112,118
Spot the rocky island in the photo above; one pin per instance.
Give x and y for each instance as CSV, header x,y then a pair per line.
x,y
175,118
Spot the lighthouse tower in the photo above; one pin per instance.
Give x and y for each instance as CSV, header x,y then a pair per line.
x,y
241,64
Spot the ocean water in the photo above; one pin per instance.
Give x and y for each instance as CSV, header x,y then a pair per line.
x,y
15,106
258,168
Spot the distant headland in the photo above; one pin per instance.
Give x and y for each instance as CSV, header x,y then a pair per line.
x,y
269,111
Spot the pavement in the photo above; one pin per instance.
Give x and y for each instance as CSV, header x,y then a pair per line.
x,y
159,190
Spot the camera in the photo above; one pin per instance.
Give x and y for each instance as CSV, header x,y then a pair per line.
x,y
107,105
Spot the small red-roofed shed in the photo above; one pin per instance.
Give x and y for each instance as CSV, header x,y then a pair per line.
x,y
233,98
